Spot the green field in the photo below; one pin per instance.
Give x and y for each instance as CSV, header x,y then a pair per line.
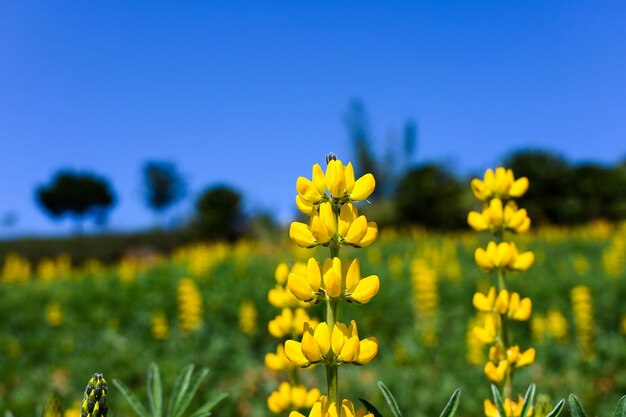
x,y
59,326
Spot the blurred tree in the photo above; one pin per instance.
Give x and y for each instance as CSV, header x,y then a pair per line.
x,y
163,185
429,195
385,167
78,195
551,197
219,214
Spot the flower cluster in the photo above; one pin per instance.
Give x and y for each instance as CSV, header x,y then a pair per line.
x,y
500,215
291,322
328,198
190,311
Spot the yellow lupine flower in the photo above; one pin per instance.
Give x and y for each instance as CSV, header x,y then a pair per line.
x,y
486,333
499,184
248,316
496,373
324,408
341,345
190,309
278,361
333,281
511,408
288,396
496,217
504,303
158,326
289,322
518,358
355,230
503,256
339,180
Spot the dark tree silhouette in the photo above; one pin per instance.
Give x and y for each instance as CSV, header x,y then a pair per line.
x,y
77,195
163,184
219,214
430,196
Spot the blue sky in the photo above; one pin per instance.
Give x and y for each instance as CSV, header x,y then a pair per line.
x,y
252,93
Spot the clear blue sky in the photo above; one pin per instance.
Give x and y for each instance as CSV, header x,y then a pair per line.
x,y
252,93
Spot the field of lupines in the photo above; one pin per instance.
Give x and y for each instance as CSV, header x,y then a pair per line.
x,y
238,309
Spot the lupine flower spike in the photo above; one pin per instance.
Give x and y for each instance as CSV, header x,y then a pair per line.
x,y
501,215
330,199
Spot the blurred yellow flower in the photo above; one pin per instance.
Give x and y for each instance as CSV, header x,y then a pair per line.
x,y
292,396
497,218
190,310
324,408
499,184
503,256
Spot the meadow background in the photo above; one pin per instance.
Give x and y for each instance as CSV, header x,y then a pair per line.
x,y
149,153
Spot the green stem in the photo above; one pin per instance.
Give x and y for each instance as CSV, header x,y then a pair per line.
x,y
333,386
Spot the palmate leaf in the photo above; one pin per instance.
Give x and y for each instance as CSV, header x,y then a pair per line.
x,y
189,393
620,410
137,407
180,387
529,400
390,399
453,404
155,390
205,409
576,408
497,398
557,409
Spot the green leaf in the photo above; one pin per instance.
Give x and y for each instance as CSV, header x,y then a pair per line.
x,y
180,387
620,410
205,409
498,399
529,400
557,409
155,390
186,399
370,408
453,404
131,399
390,399
576,407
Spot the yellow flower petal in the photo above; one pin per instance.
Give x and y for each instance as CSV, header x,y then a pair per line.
x,y
368,349
519,187
319,180
353,276
366,289
301,234
322,337
313,274
300,287
370,235
303,205
477,221
293,351
307,190
310,347
349,174
524,261
357,231
363,188
338,337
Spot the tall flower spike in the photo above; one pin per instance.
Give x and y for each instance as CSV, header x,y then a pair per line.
x,y
95,399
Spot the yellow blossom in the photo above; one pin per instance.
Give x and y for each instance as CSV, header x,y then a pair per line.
x,y
495,217
278,361
511,408
341,345
499,184
159,327
190,309
505,303
324,408
486,333
288,396
290,322
503,256
496,373
333,281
